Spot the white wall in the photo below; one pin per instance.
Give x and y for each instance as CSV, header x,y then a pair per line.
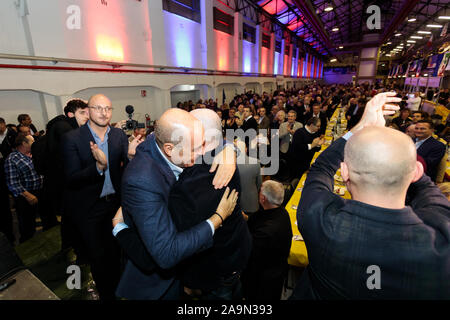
x,y
15,102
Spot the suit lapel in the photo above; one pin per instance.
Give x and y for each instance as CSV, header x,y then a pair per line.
x,y
152,148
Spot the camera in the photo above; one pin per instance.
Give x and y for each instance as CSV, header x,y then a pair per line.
x,y
131,124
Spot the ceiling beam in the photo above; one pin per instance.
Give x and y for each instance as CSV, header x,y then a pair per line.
x,y
399,18
311,17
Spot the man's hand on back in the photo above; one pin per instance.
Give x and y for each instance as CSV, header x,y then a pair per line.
x,y
226,163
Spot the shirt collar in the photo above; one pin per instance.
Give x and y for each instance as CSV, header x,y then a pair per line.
x,y
248,118
175,169
423,140
93,132
306,128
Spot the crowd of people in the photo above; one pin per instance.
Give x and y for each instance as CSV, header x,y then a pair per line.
x,y
193,229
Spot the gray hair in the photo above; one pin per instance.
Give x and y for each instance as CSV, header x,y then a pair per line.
x,y
273,191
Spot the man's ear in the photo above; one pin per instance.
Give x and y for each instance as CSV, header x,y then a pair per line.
x,y
344,171
418,172
168,148
70,114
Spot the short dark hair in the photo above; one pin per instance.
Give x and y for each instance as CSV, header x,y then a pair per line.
x,y
430,123
73,105
22,117
20,139
417,111
313,120
2,120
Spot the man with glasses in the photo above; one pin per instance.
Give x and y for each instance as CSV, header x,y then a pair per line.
x,y
94,157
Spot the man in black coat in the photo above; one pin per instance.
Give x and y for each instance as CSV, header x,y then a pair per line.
x,y
94,156
316,113
374,246
272,237
248,126
305,143
76,114
431,150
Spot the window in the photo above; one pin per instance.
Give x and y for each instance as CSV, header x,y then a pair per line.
x,y
278,46
223,21
186,8
266,41
249,33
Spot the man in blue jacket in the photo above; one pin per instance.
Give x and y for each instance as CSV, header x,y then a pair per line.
x,y
176,143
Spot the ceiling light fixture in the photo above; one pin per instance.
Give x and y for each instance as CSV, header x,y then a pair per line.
x,y
444,17
423,32
434,25
416,37
328,9
411,41
341,47
398,34
333,60
335,29
412,19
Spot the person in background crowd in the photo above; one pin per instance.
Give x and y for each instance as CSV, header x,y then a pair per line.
x,y
264,121
305,143
286,133
272,237
403,120
7,137
25,184
414,102
317,113
25,120
76,114
138,133
250,178
417,116
428,148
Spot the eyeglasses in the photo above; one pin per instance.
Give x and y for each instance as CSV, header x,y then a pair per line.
x,y
101,109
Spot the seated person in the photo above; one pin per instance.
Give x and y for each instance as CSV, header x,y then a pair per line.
x,y
272,237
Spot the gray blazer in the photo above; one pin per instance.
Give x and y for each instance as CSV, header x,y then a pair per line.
x,y
250,176
285,136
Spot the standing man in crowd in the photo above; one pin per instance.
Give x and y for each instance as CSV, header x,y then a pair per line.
x,y
25,185
94,157
316,113
76,114
374,246
25,120
287,131
7,137
305,143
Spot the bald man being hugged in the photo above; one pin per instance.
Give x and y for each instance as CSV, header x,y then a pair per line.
x,y
374,246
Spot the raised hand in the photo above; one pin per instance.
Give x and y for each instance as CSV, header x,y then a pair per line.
x,y
133,145
225,161
99,156
379,106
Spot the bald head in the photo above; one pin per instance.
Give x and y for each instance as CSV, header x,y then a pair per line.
x,y
380,159
180,136
99,99
212,125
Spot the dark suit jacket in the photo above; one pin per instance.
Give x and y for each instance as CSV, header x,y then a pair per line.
x,y
354,118
250,124
323,121
145,202
82,181
411,246
194,199
432,152
299,155
272,237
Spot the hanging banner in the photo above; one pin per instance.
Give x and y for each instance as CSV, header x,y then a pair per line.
x,y
443,65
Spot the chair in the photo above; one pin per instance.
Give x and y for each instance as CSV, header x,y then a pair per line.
x,y
441,169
